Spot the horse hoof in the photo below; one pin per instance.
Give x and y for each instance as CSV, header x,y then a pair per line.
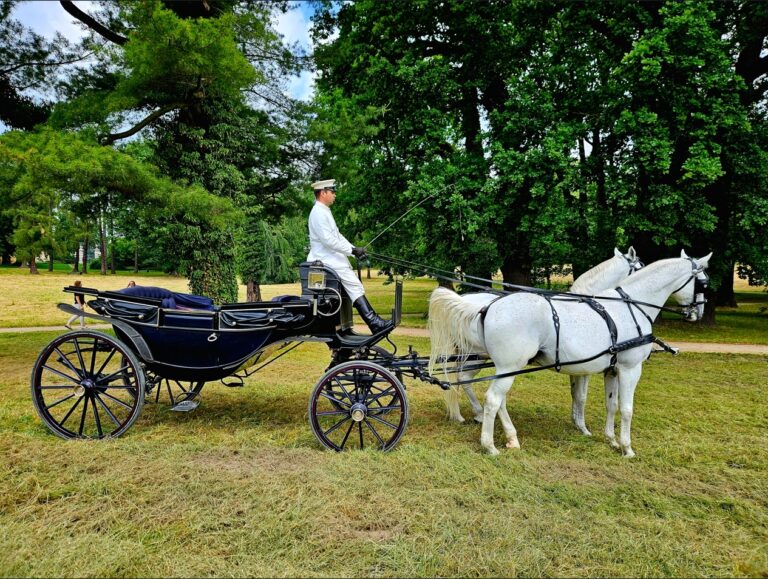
x,y
479,419
628,453
493,451
513,444
614,443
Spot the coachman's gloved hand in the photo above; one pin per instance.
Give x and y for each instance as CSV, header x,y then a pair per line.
x,y
359,253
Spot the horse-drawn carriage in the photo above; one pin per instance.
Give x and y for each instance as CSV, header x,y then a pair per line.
x,y
89,384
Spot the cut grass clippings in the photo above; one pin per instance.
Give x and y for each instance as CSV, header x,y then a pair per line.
x,y
240,487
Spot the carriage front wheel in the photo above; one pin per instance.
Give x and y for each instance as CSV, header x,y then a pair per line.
x,y
87,384
358,404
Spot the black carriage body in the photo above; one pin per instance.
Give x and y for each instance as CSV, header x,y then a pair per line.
x,y
197,345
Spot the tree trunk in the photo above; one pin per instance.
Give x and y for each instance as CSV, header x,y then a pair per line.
x,y
516,269
50,262
253,292
33,267
135,256
103,246
85,255
76,267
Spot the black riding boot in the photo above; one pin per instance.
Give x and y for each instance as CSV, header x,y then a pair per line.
x,y
375,323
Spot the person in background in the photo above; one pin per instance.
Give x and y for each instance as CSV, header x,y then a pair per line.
x,y
80,305
131,283
328,245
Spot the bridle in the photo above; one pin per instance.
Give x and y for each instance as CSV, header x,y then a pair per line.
x,y
699,285
634,263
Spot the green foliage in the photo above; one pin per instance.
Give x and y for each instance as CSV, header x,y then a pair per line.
x,y
266,255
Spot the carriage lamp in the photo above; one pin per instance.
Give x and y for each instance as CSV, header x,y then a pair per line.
x,y
316,278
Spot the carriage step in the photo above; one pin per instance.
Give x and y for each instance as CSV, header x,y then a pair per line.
x,y
186,406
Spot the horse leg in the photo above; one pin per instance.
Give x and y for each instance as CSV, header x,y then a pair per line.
x,y
509,428
611,406
628,379
477,408
579,389
494,398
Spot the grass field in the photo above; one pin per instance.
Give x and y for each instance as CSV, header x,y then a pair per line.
x,y
240,487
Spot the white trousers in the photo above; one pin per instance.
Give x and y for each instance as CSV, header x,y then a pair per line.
x,y
73,318
352,285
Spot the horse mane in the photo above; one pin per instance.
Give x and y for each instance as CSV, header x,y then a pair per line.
x,y
639,277
595,279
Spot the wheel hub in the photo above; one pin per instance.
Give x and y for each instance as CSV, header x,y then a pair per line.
x,y
358,412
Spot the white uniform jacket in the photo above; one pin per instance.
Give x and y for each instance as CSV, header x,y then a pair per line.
x,y
327,244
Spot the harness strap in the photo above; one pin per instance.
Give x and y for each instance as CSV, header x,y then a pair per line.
x,y
556,322
626,297
598,307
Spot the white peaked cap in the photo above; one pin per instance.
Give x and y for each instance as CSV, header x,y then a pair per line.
x,y
320,185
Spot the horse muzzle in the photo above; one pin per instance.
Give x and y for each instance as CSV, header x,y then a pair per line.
x,y
695,311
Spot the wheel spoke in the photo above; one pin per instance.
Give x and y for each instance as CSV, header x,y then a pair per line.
x,y
93,353
64,360
170,394
335,426
56,387
104,364
383,393
360,429
346,436
336,379
62,374
97,419
383,409
59,402
79,355
376,434
113,376
82,418
377,419
120,402
332,413
106,409
71,410
336,400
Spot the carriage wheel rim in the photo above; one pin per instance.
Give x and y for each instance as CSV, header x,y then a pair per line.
x,y
358,404
87,385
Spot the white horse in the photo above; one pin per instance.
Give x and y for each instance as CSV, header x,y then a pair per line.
x,y
518,330
605,275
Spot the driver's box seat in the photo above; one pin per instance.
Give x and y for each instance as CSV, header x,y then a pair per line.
x,y
321,283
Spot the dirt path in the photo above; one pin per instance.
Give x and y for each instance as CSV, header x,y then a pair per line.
x,y
702,347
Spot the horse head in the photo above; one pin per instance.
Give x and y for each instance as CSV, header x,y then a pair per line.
x,y
690,296
630,257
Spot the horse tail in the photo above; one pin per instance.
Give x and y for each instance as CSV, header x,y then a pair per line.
x,y
451,327
452,403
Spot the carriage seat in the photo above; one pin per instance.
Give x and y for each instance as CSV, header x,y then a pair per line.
x,y
170,300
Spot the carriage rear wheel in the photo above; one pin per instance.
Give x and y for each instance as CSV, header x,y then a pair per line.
x,y
87,384
358,404
166,391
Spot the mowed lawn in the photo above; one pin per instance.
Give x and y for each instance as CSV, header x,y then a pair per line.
x,y
240,487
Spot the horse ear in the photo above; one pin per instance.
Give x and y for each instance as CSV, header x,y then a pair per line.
x,y
617,253
631,252
704,261
683,254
